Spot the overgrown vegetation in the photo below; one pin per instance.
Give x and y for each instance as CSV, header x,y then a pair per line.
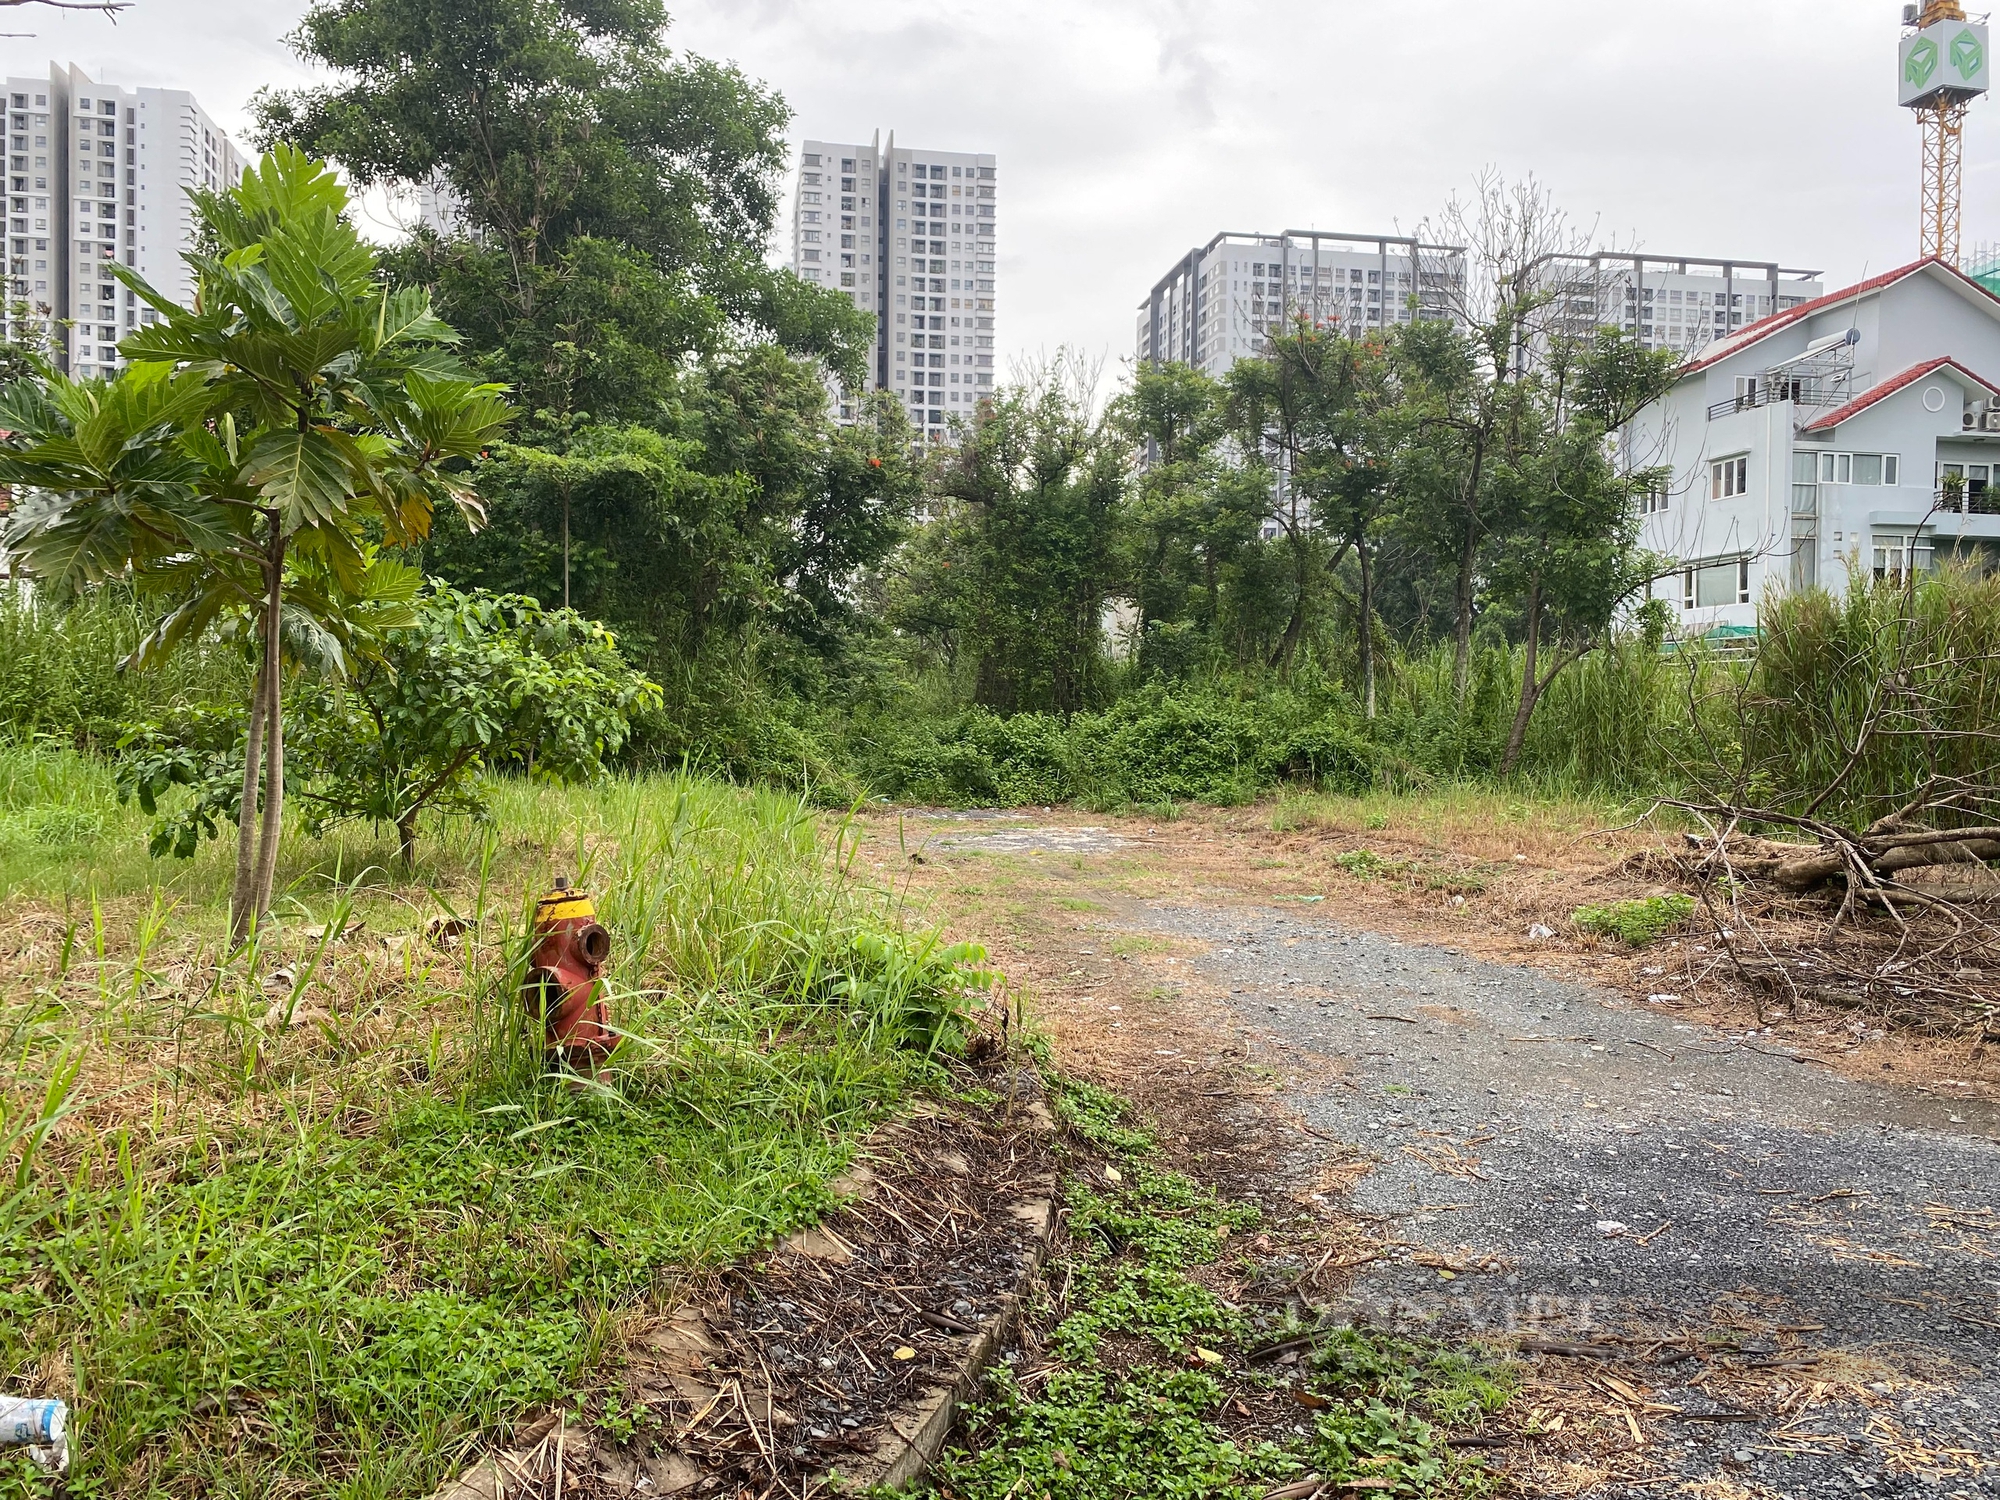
x,y
1147,1386
307,1222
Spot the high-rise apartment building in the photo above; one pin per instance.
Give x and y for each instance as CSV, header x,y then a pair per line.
x,y
1224,300
911,236
99,173
1672,301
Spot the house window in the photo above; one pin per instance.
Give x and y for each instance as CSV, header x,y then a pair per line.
x,y
1654,501
1977,477
1872,469
1900,555
1729,477
1715,585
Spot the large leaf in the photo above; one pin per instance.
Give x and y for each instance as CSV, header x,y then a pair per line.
x,y
406,317
302,475
318,265
157,300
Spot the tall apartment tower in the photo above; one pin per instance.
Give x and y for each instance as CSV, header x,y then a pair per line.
x,y
1678,302
911,236
1223,301
99,173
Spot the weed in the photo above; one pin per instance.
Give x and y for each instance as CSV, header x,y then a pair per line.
x,y
1099,1116
1089,1435
1362,862
1636,923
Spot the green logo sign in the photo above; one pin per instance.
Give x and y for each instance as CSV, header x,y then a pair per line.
x,y
1922,64
1967,55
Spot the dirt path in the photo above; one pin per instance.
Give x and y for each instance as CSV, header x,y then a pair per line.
x,y
1786,1277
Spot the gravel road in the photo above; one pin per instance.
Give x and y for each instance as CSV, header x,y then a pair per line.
x,y
1634,1175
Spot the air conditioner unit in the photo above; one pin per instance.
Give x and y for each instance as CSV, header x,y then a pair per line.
x,y
1974,418
1993,420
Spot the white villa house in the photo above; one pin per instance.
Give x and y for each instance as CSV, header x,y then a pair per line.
x,y
1816,442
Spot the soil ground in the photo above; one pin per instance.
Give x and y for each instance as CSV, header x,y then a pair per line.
x,y
1743,1260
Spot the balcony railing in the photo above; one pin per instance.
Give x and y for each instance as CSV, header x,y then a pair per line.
x,y
1809,393
1970,502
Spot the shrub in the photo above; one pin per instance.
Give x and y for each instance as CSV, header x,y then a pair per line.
x,y
1153,747
1328,754
978,759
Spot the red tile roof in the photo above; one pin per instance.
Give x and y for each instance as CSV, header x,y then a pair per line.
x,y
1757,332
1889,388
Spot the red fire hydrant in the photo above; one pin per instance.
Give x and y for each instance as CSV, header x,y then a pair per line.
x,y
563,986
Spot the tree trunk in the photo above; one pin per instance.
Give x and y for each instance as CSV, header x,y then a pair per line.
x,y
1531,688
406,839
1295,627
1461,635
1802,867
242,894
1367,629
1468,559
274,715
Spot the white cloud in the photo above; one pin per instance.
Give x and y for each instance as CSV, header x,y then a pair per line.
x,y
1129,131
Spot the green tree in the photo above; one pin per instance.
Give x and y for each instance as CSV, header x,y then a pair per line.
x,y
1568,556
1034,495
752,509
1341,426
1192,512
477,682
1508,299
615,200
302,408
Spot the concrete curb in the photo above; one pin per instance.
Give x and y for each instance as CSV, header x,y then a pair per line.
x,y
917,1431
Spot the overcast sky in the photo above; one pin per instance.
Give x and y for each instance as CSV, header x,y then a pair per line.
x,y
1129,131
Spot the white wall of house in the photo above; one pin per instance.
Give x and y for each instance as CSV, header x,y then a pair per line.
x,y
1789,469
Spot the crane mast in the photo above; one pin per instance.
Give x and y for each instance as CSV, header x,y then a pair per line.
x,y
1945,67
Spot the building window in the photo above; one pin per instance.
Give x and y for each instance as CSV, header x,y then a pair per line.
x,y
1728,478
1900,555
1716,585
1654,501
1861,468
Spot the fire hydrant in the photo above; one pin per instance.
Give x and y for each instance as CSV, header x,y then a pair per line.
x,y
564,986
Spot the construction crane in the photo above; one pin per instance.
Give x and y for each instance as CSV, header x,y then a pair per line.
x,y
1945,64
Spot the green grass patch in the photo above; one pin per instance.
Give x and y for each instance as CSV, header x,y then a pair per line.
x,y
1151,1373
1636,923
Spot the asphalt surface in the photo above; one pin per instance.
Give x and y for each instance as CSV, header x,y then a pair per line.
x,y
1622,1172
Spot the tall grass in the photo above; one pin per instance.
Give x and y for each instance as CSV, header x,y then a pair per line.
x,y
318,1223
1910,677
60,675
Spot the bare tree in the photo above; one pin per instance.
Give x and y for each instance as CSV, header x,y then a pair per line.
x,y
103,7
1509,296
